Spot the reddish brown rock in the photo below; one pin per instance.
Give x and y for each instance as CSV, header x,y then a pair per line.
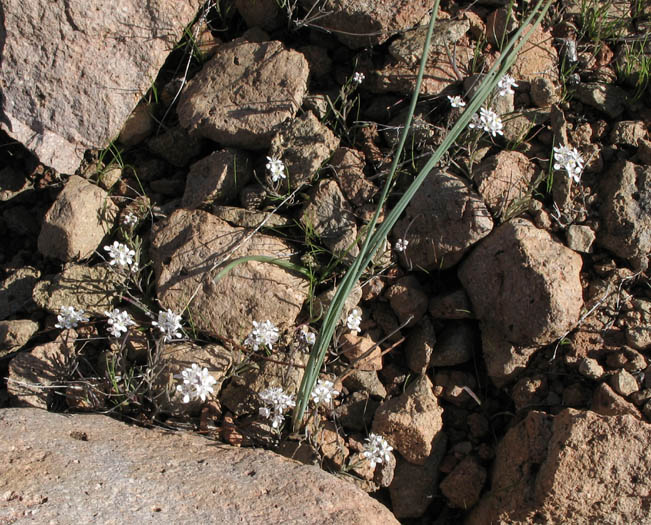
x,y
408,300
243,94
160,476
565,469
411,421
354,347
537,58
463,485
524,284
503,181
71,74
608,403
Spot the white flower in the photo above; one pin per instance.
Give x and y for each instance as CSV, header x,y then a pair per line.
x,y
487,120
169,324
570,160
118,322
120,254
69,317
505,84
358,77
353,320
401,245
197,383
277,169
309,338
277,404
263,334
377,450
456,101
324,392
129,219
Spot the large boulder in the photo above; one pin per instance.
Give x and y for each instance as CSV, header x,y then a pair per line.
x,y
442,221
243,94
191,247
78,220
71,73
577,467
524,284
140,475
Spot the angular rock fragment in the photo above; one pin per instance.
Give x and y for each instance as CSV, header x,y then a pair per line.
x,y
15,334
411,421
71,75
76,223
188,251
243,94
16,290
524,284
555,470
443,220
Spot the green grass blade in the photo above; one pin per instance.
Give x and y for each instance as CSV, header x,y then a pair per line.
x,y
282,263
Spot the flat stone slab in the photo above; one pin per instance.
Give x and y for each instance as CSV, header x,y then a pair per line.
x,y
88,468
71,72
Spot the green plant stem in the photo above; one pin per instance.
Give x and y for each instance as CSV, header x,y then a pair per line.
x,y
375,239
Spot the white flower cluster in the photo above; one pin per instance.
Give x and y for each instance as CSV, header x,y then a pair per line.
x,y
354,319
197,383
377,450
69,317
130,219
169,324
487,120
263,334
121,255
307,337
277,404
118,322
324,392
277,169
358,77
505,85
456,101
570,160
401,245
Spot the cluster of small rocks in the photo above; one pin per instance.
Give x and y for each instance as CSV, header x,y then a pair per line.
x,y
509,329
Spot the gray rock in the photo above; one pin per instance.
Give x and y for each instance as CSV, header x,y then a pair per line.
x,y
91,289
623,383
443,220
188,251
607,98
15,334
580,238
33,374
524,284
358,23
243,94
626,201
365,381
217,178
74,226
303,144
16,290
411,421
157,476
71,89
330,216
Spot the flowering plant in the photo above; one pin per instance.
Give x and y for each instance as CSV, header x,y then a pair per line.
x,y
169,324
69,317
197,383
377,450
263,334
277,404
118,322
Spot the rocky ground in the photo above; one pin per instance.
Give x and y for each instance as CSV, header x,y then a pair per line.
x,y
504,345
